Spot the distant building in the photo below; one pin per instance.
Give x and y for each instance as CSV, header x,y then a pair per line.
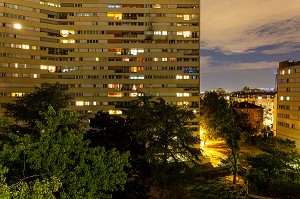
x,y
263,98
288,102
254,113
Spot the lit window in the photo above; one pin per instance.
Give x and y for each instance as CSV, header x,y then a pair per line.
x,y
186,77
281,98
51,69
157,6
134,87
186,17
259,97
17,26
35,76
97,58
155,59
94,103
186,103
178,77
16,94
133,94
164,59
79,103
289,71
67,41
136,77
43,67
182,94
25,46
115,94
87,103
65,33
115,112
157,32
282,72
133,69
33,47
186,34
288,98
116,16
133,51
164,32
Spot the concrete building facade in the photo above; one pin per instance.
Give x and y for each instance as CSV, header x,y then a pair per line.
x,y
288,102
254,113
259,97
105,52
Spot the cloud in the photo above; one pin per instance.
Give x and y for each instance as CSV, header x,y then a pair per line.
x,y
282,49
235,26
205,62
211,66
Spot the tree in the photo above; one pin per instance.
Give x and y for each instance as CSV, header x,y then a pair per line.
x,y
276,169
113,131
222,122
61,152
162,131
232,135
28,107
214,113
22,190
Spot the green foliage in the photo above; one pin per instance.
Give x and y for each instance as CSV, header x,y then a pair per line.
x,y
222,122
167,141
162,130
28,107
33,190
214,113
216,189
276,169
112,131
60,151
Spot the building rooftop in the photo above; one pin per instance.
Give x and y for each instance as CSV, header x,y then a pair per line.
x,y
246,105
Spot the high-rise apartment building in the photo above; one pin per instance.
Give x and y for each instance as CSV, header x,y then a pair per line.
x,y
288,102
106,52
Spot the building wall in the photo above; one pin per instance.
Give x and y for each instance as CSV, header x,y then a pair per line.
x,y
106,52
260,98
288,101
255,115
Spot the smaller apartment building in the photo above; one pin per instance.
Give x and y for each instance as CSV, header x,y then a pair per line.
x,y
287,123
254,113
258,97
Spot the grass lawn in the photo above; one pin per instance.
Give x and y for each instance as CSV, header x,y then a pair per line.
x,y
215,150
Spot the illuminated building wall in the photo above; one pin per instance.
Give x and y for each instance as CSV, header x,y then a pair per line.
x,y
288,101
106,52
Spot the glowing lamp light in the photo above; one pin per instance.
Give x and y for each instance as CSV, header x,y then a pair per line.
x,y
17,26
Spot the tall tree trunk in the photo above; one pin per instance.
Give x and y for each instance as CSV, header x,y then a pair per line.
x,y
233,153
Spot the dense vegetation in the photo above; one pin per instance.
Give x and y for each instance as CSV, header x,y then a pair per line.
x,y
46,151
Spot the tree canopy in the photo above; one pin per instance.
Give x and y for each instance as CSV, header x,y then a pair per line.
x,y
27,107
61,152
162,129
276,170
